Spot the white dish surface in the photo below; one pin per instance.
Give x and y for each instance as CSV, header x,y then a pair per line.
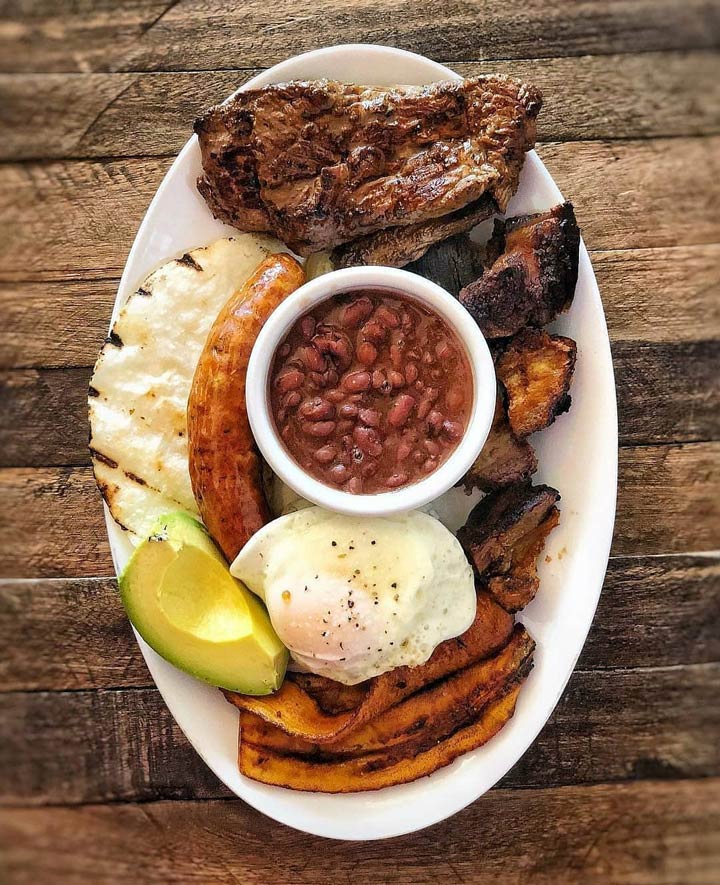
x,y
577,455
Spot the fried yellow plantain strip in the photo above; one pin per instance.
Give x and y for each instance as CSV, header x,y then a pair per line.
x,y
428,715
295,712
376,770
223,459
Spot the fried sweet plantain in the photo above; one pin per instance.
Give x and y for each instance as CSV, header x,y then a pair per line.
x,y
376,770
429,715
504,458
503,537
532,279
536,370
298,713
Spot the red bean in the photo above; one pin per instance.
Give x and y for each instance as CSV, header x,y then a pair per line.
x,y
368,441
370,417
403,451
317,409
414,355
356,381
431,447
396,480
428,358
367,353
370,468
430,464
400,410
281,416
454,399
346,426
339,473
396,356
307,327
387,316
432,393
326,454
453,429
335,396
292,399
436,374
312,358
423,409
331,378
357,312
443,349
374,331
354,485
411,373
435,421
316,380
348,410
418,457
419,385
284,350
289,380
397,379
318,428
378,379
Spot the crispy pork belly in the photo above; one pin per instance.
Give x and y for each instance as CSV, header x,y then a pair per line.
x,y
503,537
322,163
533,276
504,459
536,371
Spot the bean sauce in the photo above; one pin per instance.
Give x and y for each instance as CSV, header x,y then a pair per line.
x,y
371,391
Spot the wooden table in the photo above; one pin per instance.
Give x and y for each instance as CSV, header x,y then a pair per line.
x,y
97,784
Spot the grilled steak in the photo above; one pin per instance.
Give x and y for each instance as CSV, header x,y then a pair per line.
x,y
322,163
533,276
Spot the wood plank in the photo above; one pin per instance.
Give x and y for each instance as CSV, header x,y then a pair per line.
x,y
668,502
641,833
79,746
115,115
207,34
653,612
653,295
668,499
630,194
666,393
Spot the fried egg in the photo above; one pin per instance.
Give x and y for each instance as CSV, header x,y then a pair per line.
x,y
352,598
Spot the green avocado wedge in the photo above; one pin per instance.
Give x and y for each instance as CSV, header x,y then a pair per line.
x,y
182,600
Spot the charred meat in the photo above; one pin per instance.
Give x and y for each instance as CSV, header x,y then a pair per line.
x,y
503,537
504,459
533,276
322,163
536,371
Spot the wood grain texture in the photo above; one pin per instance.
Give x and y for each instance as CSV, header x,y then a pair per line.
x,y
101,35
115,115
668,502
641,833
629,194
654,612
650,295
44,418
78,747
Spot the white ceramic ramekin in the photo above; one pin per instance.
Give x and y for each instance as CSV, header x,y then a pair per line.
x,y
412,286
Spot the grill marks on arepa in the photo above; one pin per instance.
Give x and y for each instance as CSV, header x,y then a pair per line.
x,y
138,393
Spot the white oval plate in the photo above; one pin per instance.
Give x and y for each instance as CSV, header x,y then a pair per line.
x,y
578,455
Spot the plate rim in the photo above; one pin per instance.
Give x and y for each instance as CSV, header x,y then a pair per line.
x,y
157,665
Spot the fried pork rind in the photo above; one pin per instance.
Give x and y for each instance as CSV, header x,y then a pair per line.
x,y
375,770
536,371
503,537
427,716
534,276
504,458
299,714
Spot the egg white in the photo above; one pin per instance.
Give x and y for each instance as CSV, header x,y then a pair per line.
x,y
353,597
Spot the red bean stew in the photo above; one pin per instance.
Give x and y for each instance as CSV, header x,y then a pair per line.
x,y
371,391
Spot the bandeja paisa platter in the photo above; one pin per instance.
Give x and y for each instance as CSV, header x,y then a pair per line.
x,y
383,383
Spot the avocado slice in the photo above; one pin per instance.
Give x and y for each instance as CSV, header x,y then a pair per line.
x,y
182,600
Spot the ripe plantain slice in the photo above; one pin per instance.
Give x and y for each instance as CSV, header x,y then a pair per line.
x,y
375,770
297,713
425,717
